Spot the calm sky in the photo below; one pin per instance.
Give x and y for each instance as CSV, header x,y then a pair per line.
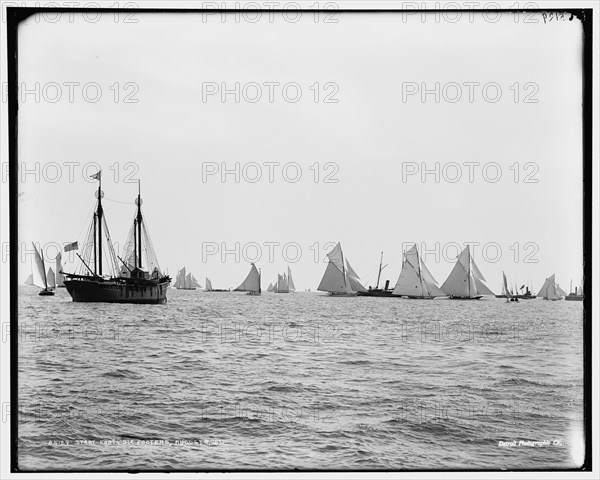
x,y
333,119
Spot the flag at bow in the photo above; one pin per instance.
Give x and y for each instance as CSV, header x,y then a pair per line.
x,y
96,176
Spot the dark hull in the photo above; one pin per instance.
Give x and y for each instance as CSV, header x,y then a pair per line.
x,y
117,291
477,297
574,298
193,288
412,297
46,293
520,297
376,293
217,291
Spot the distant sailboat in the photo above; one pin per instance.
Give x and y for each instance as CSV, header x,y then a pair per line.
x,y
335,279
465,281
282,285
252,282
41,270
291,286
551,291
209,287
59,275
270,288
186,281
514,295
415,280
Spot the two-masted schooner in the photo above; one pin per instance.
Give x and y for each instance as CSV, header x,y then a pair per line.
x,y
336,280
465,281
139,280
186,281
415,280
252,283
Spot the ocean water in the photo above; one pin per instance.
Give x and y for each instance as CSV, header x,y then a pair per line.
x,y
226,381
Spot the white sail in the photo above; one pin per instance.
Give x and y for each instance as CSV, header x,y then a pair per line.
x,y
482,288
270,288
353,279
560,291
208,284
333,280
177,283
410,282
252,282
460,282
351,271
59,276
505,287
286,284
550,291
429,281
51,278
195,282
29,280
349,288
337,257
291,286
39,277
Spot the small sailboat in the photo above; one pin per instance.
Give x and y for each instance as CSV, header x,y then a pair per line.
x,y
252,282
510,297
209,287
465,281
335,279
186,281
59,275
514,295
551,291
371,292
51,278
282,285
41,270
291,286
577,295
415,280
270,288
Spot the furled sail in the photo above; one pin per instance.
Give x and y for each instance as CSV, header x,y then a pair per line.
x,y
51,278
252,282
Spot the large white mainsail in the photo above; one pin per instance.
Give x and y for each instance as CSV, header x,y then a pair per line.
x,y
465,279
208,284
51,279
59,276
252,282
335,280
415,280
291,286
39,273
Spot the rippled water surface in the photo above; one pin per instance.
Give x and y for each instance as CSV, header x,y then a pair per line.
x,y
229,381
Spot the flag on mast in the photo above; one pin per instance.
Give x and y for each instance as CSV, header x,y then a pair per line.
x,y
96,176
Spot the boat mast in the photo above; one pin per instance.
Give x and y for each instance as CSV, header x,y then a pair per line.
x,y
95,260
420,274
259,275
343,268
99,213
135,261
139,224
44,268
469,271
379,274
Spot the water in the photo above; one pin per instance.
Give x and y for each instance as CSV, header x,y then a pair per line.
x,y
282,381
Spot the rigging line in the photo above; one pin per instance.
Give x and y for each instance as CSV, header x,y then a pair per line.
x,y
118,201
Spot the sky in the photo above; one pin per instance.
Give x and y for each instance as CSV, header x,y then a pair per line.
x,y
346,113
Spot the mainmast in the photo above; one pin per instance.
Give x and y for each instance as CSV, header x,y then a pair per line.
x,y
379,274
99,213
139,225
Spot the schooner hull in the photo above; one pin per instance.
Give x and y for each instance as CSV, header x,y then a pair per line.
x,y
376,293
520,297
455,297
574,298
117,292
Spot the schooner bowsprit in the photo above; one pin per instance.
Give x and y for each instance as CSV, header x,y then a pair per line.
x,y
139,280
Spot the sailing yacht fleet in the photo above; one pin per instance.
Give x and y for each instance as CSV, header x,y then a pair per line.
x,y
139,279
